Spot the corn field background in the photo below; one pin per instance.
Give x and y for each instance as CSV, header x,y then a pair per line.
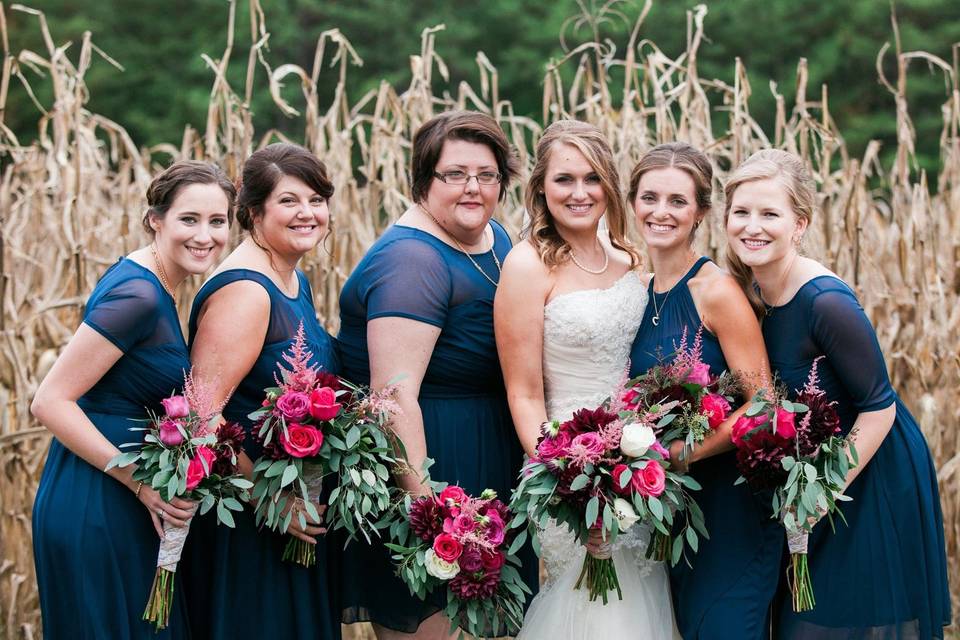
x,y
71,203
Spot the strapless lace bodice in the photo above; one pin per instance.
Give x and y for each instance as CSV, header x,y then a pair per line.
x,y
587,336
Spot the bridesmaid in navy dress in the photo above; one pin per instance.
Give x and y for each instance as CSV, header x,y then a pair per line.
x,y
95,533
243,319
883,574
731,580
420,304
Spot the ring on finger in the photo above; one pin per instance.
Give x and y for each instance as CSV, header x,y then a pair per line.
x,y
161,513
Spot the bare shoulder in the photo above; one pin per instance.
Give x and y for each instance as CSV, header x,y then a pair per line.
x,y
245,302
716,288
523,261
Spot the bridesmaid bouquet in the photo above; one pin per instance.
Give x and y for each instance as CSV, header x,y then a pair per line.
x,y
600,472
793,448
458,542
313,424
186,453
681,401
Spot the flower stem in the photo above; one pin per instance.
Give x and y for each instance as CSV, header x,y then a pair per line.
x,y
601,578
161,599
801,588
301,552
659,547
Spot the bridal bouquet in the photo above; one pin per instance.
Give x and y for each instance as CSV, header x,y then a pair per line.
x,y
459,543
313,424
679,400
186,453
598,472
793,448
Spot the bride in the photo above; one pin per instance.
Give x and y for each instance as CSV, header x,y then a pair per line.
x,y
567,309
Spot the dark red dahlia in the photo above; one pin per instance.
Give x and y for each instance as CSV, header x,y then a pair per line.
x,y
669,393
426,518
587,420
759,456
475,586
823,423
230,437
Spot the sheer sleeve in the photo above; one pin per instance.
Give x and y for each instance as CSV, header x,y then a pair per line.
x,y
841,328
126,314
408,278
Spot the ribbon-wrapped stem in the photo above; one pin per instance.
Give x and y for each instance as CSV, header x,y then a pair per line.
x,y
161,593
798,573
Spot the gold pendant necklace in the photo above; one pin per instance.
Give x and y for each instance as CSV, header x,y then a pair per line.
x,y
496,260
653,289
160,271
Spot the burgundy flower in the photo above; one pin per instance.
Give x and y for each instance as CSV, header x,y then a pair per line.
x,y
823,422
426,518
475,586
471,559
230,437
759,456
586,420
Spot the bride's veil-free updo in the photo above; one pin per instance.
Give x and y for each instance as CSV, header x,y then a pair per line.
x,y
540,230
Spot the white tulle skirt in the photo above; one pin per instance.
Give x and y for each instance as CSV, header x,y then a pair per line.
x,y
562,612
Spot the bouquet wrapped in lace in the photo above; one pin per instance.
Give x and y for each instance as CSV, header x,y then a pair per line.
x,y
313,424
189,453
459,543
794,449
598,472
679,400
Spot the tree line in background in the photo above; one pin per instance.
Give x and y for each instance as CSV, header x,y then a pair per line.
x,y
165,84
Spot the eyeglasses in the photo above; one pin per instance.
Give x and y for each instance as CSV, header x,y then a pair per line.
x,y
486,178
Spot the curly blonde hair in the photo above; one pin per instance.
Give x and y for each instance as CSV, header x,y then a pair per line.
x,y
541,230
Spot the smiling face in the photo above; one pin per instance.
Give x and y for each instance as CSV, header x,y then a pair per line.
x,y
573,190
762,226
666,208
463,208
294,219
193,232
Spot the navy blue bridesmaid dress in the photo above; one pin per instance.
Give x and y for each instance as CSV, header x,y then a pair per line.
x,y
237,584
469,433
94,543
883,574
733,576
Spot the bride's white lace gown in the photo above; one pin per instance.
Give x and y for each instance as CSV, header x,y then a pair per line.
x,y
587,337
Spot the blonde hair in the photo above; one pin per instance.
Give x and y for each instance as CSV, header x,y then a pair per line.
x,y
790,170
541,230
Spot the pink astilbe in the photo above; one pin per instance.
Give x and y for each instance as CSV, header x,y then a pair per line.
x,y
301,375
610,434
618,397
383,401
688,358
200,399
813,380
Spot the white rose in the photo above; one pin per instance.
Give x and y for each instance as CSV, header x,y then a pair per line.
x,y
636,439
440,568
626,516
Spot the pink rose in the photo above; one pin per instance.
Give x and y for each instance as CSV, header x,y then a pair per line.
x,y
651,480
590,444
323,404
493,560
170,434
699,374
452,496
463,524
659,448
294,405
617,471
743,426
301,441
555,447
176,407
786,426
195,470
631,398
495,529
716,408
447,547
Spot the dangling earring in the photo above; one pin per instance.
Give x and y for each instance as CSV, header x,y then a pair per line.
x,y
326,238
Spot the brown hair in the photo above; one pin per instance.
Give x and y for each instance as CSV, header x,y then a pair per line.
x,y
685,157
471,126
165,188
792,173
263,170
541,231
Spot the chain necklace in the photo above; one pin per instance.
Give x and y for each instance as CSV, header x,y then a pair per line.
x,y
657,309
496,260
596,272
160,271
769,308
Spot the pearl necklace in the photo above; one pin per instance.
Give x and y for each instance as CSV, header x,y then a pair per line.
x,y
596,272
